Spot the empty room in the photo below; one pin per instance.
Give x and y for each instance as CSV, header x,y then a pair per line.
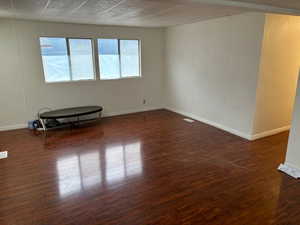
x,y
139,112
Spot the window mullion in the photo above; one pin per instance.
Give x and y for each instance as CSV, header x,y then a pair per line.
x,y
96,59
140,58
120,58
69,59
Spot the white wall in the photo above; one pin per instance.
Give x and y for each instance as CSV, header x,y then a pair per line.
x,y
280,61
23,90
212,70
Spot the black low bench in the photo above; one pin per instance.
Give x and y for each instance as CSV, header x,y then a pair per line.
x,y
49,119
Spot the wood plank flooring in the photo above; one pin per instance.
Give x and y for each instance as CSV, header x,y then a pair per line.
x,y
145,168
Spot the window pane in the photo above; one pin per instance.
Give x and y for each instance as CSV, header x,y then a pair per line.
x,y
55,59
130,62
81,53
109,58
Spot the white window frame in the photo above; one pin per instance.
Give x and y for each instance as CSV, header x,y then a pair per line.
x,y
69,60
95,58
120,67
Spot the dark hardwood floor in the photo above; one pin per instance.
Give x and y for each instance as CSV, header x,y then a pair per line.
x,y
145,168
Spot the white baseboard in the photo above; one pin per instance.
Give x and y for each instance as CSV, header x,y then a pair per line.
x,y
290,170
211,123
13,127
270,132
250,137
124,112
21,126
203,120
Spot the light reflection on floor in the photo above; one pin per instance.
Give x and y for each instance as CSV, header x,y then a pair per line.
x,y
122,161
79,172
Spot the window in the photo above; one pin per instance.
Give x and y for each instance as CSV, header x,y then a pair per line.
x,y
118,58
73,59
130,60
67,59
81,56
55,59
109,60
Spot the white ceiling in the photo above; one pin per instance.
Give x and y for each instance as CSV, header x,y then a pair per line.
x,y
147,13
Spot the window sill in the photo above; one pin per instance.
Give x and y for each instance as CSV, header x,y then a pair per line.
x,y
91,80
122,78
69,81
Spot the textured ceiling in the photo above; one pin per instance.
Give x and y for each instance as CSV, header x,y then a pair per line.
x,y
148,13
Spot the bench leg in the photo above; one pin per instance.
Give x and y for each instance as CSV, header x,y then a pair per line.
x,y
44,127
